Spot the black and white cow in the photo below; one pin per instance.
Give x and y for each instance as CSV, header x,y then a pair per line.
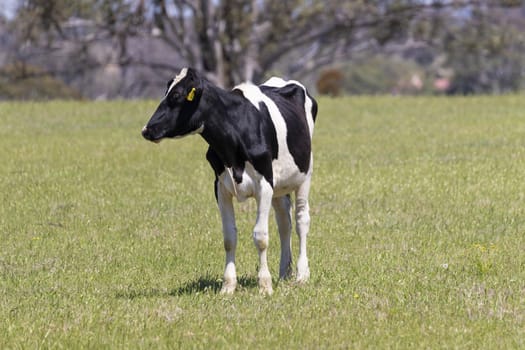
x,y
259,146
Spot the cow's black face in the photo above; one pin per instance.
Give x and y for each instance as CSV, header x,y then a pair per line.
x,y
176,114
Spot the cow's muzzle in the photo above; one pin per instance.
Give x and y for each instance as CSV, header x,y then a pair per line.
x,y
147,134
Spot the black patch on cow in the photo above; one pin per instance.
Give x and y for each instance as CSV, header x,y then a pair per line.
x,y
238,134
237,173
215,161
217,167
216,189
290,100
262,153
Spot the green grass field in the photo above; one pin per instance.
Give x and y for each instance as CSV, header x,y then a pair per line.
x,y
417,237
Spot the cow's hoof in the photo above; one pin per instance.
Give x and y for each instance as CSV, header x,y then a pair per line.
x,y
303,276
228,287
265,286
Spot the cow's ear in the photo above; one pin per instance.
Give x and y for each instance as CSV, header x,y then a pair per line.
x,y
193,84
192,76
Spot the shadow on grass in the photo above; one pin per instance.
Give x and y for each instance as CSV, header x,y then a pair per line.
x,y
206,284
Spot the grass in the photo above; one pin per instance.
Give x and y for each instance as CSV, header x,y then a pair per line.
x,y
417,239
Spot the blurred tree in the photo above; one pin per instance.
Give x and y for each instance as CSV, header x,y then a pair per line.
x,y
236,40
383,74
486,52
75,41
22,81
482,45
230,40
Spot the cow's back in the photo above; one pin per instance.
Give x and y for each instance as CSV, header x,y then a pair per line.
x,y
292,112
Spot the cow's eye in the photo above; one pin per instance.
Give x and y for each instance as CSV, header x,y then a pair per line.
x,y
173,98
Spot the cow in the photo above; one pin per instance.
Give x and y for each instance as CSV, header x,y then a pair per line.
x,y
260,145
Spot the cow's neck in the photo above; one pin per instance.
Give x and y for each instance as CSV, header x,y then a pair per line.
x,y
219,109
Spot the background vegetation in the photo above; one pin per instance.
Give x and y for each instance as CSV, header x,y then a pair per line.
x,y
107,49
416,242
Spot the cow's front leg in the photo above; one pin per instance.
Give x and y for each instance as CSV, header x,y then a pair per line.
x,y
229,230
260,234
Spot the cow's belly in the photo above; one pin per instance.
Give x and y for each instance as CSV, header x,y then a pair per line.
x,y
286,178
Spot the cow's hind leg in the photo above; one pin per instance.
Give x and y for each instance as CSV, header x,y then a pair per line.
x,y
302,218
260,234
283,216
229,229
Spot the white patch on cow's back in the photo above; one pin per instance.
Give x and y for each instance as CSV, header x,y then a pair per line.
x,y
275,82
251,92
177,79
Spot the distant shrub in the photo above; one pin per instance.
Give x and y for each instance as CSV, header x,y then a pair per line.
x,y
374,75
20,81
330,82
384,75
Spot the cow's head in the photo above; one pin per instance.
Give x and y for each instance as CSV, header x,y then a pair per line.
x,y
175,116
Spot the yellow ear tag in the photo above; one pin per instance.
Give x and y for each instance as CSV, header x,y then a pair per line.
x,y
191,95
